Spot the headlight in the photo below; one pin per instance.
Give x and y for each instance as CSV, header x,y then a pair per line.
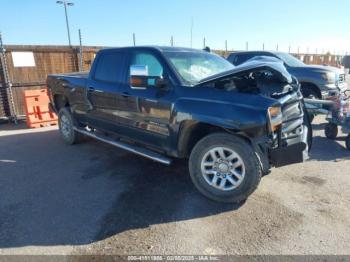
x,y
328,76
275,117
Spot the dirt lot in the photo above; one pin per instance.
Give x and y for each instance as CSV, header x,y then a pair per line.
x,y
93,198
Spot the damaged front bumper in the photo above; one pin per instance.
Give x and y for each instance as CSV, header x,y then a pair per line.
x,y
290,143
295,152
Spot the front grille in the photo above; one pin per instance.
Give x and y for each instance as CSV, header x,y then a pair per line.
x,y
293,117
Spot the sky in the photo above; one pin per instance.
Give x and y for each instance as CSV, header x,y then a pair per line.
x,y
307,24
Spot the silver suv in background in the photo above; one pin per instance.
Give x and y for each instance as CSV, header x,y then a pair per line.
x,y
317,81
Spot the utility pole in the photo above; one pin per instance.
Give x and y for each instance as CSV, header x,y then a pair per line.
x,y
289,49
263,47
134,39
81,52
172,41
277,47
226,46
65,4
246,46
204,44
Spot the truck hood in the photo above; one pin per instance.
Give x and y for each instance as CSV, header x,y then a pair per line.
x,y
255,64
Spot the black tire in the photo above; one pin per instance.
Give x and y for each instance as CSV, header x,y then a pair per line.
x,y
243,149
347,142
331,131
66,125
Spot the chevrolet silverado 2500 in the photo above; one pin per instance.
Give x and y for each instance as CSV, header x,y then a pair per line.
x,y
231,123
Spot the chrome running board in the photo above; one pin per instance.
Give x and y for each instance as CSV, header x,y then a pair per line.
x,y
131,148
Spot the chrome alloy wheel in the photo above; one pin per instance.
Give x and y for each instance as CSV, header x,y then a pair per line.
x,y
223,168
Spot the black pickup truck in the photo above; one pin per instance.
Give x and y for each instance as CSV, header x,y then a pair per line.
x,y
232,123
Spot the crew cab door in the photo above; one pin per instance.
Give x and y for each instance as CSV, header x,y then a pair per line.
x,y
149,118
105,91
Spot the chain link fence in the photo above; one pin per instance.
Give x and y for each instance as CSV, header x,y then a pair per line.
x,y
41,61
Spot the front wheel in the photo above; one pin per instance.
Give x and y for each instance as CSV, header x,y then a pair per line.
x,y
224,168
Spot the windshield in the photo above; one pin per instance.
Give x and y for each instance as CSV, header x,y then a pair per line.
x,y
290,60
195,66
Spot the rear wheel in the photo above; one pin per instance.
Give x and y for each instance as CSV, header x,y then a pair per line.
x,y
331,131
224,168
66,125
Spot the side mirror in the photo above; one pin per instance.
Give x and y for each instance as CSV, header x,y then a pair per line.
x,y
161,82
138,76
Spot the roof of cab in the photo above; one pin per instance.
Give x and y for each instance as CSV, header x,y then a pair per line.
x,y
257,51
158,48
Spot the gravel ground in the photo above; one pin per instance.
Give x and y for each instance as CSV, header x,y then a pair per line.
x,y
94,199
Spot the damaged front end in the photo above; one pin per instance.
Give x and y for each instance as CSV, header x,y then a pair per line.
x,y
288,130
292,140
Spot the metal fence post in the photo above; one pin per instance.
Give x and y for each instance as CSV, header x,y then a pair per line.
x,y
7,82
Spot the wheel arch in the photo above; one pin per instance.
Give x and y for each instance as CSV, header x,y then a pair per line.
x,y
191,132
312,86
60,101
